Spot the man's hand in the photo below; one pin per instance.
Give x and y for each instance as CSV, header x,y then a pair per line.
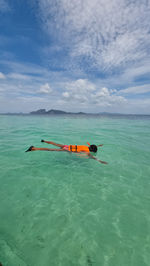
x,y
102,162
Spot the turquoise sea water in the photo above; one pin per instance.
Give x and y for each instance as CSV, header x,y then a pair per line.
x,y
62,210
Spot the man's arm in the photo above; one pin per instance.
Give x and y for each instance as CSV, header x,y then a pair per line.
x,y
93,157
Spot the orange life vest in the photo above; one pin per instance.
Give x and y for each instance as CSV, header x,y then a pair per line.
x,y
79,148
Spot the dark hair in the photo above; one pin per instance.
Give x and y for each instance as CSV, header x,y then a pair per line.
x,y
93,148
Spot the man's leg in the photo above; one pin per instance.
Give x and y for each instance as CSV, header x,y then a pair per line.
x,y
53,143
32,148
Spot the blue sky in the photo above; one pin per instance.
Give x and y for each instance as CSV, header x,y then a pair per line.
x,y
75,55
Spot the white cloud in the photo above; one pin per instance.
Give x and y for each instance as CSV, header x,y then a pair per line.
x,y
24,68
106,97
24,80
137,106
104,92
136,71
39,89
81,84
2,76
79,90
136,90
125,48
66,94
18,76
45,89
110,33
86,93
91,98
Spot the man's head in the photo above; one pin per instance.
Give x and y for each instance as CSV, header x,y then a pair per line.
x,y
93,148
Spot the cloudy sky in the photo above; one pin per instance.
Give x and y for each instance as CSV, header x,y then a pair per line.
x,y
75,55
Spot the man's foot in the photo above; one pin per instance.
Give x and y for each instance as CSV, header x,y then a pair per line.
x,y
42,140
30,149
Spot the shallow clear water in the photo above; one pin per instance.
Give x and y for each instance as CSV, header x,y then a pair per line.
x,y
60,209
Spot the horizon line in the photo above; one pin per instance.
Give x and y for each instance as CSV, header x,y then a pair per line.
x,y
70,112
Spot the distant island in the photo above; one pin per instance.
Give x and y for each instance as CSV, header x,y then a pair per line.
x,y
55,112
43,112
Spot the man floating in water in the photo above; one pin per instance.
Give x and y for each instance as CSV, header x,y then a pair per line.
x,y
80,149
